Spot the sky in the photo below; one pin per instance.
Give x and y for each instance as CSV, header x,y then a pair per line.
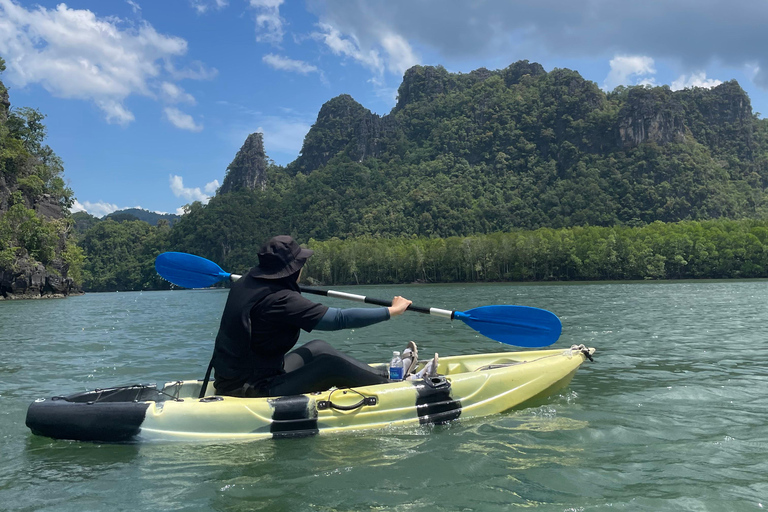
x,y
148,101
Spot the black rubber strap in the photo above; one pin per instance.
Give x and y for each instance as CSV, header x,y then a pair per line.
x,y
206,379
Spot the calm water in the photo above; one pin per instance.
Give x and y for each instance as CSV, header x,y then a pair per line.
x,y
672,415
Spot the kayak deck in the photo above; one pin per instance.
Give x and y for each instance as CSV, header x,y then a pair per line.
x,y
467,386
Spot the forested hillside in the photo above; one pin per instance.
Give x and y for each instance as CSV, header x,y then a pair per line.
x,y
496,151
38,257
152,218
516,174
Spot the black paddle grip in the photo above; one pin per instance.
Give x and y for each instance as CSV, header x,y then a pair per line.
x,y
388,303
368,300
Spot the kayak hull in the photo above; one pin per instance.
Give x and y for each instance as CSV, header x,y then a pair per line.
x,y
468,386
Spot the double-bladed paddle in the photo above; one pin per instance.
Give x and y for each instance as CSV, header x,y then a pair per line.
x,y
522,326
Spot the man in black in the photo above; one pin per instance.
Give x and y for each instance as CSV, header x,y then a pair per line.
x,y
262,319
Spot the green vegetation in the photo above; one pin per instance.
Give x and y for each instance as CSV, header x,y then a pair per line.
x,y
152,218
121,256
497,151
684,250
34,228
515,174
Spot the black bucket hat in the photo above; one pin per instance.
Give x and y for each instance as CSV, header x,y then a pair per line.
x,y
280,257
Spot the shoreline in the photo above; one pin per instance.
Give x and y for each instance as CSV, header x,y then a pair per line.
x,y
14,296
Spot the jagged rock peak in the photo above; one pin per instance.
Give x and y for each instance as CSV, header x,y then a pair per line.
x,y
249,168
427,82
340,124
343,106
517,70
421,82
5,103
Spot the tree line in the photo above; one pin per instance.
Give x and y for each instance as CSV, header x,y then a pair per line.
x,y
684,250
120,255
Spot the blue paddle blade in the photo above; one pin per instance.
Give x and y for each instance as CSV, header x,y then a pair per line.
x,y
188,270
521,326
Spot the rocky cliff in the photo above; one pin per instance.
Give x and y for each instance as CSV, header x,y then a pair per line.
x,y
249,168
37,257
343,126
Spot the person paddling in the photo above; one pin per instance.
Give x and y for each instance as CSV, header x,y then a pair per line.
x,y
261,323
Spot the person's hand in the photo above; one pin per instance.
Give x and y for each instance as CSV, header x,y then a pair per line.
x,y
399,305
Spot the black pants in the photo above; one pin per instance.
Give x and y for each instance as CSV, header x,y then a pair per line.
x,y
317,366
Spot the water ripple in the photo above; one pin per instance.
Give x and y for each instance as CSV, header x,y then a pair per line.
x,y
670,417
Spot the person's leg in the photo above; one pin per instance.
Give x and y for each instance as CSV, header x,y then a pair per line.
x,y
317,366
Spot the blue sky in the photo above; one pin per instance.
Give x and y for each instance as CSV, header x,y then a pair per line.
x,y
147,102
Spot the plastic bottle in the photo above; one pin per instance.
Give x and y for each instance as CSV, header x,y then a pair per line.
x,y
396,366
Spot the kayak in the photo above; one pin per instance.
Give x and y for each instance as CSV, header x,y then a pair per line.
x,y
465,387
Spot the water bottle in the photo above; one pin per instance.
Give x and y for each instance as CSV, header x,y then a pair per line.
x,y
396,366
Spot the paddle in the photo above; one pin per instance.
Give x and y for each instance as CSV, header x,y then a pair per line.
x,y
521,326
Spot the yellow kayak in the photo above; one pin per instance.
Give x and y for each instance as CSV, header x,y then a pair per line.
x,y
467,386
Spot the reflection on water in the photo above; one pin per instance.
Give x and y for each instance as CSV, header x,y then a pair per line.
x,y
671,416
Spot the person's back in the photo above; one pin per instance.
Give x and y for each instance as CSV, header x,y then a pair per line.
x,y
262,320
260,324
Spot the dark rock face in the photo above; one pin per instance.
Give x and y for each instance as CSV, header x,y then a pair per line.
x,y
5,103
24,277
333,131
343,125
372,134
651,115
423,82
33,281
249,168
49,207
714,117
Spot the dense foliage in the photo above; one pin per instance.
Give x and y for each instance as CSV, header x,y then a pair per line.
x,y
516,174
121,255
492,151
684,250
34,228
153,218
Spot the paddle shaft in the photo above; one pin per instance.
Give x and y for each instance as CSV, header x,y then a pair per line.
x,y
445,313
522,326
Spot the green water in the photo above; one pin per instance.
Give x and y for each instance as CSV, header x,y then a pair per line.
x,y
672,415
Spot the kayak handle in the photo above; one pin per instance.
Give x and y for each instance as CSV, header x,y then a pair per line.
x,y
328,404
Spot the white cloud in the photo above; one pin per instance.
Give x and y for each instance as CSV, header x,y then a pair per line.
x,y
285,64
181,120
348,47
172,93
202,6
400,53
630,70
195,70
210,188
381,49
136,7
98,209
695,80
74,54
456,33
115,111
192,194
269,23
